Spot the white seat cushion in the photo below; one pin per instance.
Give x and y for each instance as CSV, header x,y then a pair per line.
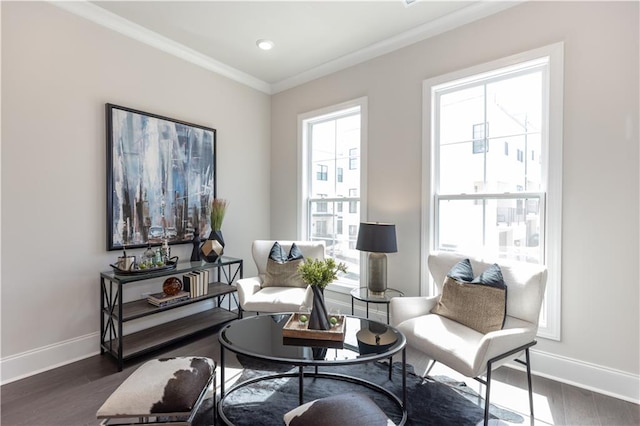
x,y
276,299
458,346
453,343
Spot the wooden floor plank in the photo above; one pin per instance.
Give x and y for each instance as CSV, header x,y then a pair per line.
x,y
612,411
579,406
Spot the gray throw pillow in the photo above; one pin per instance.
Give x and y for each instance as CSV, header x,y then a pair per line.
x,y
283,274
282,270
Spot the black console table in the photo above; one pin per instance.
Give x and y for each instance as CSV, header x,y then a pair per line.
x,y
114,312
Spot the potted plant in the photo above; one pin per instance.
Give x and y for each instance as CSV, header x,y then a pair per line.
x,y
214,246
318,273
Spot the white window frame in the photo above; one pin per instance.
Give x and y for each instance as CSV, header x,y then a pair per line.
x,y
304,173
552,172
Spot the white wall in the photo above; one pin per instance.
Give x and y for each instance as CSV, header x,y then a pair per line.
x,y
600,346
58,71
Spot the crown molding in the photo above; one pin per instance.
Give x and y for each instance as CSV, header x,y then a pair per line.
x,y
123,26
137,32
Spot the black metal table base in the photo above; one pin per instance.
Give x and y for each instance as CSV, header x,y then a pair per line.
x,y
301,375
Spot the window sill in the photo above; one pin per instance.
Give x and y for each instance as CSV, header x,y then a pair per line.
x,y
341,287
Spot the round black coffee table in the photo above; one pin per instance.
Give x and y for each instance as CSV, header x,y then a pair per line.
x,y
260,337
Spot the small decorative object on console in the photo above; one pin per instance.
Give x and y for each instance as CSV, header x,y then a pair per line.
x,y
171,286
213,247
161,299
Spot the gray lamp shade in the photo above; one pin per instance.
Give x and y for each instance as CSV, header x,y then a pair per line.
x,y
377,238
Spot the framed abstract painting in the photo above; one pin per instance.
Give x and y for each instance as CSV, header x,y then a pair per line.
x,y
161,179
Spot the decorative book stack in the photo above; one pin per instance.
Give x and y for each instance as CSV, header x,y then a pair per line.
x,y
162,299
196,283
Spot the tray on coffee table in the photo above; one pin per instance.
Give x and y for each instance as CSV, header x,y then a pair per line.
x,y
293,328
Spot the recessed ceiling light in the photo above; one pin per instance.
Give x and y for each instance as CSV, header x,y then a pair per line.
x,y
264,44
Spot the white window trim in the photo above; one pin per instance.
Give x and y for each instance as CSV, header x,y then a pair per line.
x,y
303,172
554,115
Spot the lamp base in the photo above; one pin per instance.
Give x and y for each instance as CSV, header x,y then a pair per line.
x,y
377,273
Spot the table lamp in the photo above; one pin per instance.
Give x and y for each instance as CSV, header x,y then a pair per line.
x,y
377,239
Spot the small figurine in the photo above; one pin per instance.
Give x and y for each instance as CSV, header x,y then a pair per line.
x,y
195,253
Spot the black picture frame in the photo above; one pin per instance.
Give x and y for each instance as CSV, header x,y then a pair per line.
x,y
161,178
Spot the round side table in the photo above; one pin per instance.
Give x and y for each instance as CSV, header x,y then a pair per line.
x,y
363,294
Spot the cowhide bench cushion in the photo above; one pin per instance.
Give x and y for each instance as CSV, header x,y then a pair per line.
x,y
352,409
171,390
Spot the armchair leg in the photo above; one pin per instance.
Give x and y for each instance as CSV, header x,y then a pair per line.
x,y
487,383
430,367
486,397
529,380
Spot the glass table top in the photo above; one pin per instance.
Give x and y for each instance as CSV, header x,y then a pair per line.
x,y
261,336
365,295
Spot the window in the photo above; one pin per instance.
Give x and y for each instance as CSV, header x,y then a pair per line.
x,y
492,204
323,172
353,159
331,142
353,205
480,143
321,228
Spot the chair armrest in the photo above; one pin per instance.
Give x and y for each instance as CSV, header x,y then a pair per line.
x,y
404,308
498,342
247,287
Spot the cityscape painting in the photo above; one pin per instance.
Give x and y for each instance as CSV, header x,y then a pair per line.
x,y
161,179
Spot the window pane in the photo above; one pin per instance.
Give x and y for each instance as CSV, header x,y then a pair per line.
x,y
332,185
501,154
334,151
514,105
459,112
504,228
339,234
461,171
460,226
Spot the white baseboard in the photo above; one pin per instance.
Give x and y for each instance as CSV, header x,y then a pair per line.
x,y
596,378
25,364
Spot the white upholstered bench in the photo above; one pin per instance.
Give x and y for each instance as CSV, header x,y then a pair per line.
x,y
168,390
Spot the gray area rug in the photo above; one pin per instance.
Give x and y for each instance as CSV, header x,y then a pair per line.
x,y
436,401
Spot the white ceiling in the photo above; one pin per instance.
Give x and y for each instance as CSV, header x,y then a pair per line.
x,y
312,38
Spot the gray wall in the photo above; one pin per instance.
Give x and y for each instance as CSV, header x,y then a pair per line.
x,y
58,71
600,286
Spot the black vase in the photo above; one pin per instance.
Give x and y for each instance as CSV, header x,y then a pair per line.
x,y
195,252
318,319
213,247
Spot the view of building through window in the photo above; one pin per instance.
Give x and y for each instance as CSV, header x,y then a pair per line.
x,y
333,147
489,172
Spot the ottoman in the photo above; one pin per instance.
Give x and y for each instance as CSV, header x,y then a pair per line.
x,y
168,390
349,409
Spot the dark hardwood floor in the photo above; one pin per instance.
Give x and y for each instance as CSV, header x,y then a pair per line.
x,y
71,395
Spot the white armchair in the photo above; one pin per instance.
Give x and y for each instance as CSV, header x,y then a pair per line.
x,y
254,298
432,338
